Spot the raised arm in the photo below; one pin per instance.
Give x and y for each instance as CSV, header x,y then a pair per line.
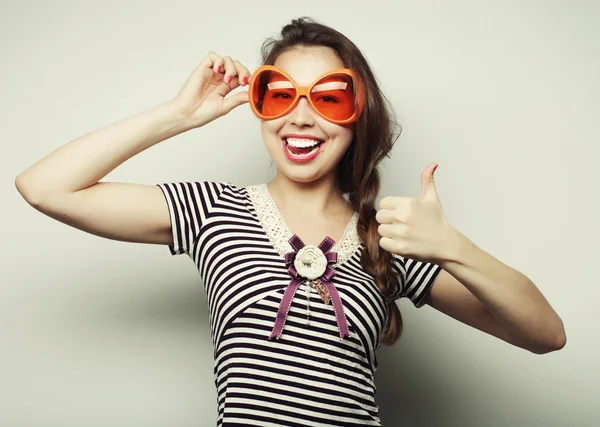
x,y
65,185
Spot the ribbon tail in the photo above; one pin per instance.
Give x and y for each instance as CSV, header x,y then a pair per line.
x,y
327,244
284,307
338,308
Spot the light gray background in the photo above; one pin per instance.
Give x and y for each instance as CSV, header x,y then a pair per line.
x,y
503,95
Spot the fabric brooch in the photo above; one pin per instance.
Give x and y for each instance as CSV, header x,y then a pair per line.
x,y
310,264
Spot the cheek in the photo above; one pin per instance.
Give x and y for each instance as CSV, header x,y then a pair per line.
x,y
270,128
342,134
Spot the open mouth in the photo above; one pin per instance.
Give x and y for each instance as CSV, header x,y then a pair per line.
x,y
301,147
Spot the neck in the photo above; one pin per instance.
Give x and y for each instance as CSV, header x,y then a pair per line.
x,y
318,197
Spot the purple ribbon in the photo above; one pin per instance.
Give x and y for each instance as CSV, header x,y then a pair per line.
x,y
286,299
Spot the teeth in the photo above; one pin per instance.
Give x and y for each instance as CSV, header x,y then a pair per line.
x,y
302,143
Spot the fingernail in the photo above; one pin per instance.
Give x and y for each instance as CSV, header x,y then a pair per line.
x,y
245,80
219,69
229,79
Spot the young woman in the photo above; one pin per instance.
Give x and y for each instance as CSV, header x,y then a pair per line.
x,y
301,273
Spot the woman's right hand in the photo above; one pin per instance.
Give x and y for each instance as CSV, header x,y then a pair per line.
x,y
202,98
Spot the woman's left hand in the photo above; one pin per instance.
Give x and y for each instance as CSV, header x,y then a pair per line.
x,y
416,228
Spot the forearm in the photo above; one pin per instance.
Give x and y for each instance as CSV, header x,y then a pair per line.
x,y
510,297
86,160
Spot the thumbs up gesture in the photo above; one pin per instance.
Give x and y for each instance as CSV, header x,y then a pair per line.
x,y
416,228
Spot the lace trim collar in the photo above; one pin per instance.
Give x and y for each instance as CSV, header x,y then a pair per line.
x,y
279,233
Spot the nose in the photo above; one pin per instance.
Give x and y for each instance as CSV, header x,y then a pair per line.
x,y
302,114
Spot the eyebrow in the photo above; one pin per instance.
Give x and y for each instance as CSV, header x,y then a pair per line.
x,y
286,84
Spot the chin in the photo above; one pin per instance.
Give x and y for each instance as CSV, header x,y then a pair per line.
x,y
302,179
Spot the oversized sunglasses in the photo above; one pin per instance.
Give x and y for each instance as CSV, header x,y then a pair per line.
x,y
337,96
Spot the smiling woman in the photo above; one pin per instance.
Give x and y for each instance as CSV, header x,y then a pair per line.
x,y
302,274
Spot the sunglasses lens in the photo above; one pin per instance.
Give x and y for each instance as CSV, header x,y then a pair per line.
x,y
273,93
333,96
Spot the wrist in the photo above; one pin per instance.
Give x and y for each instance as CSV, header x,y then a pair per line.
x,y
177,116
456,244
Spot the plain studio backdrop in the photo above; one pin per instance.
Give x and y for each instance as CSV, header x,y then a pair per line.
x,y
503,95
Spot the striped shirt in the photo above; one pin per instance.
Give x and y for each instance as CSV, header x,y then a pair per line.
x,y
237,239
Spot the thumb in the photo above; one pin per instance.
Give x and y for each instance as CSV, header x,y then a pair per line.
x,y
428,190
234,101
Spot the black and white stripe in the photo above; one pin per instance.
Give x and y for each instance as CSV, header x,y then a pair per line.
x,y
309,377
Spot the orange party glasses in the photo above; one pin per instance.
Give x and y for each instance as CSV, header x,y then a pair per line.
x,y
337,96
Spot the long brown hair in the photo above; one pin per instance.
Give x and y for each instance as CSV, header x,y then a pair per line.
x,y
357,172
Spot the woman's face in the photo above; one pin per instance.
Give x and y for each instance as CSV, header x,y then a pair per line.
x,y
303,123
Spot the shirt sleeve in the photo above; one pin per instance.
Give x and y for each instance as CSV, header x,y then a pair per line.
x,y
415,279
190,204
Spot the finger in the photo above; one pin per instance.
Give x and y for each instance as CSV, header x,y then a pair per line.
x,y
395,246
217,64
233,101
385,216
384,230
390,202
230,70
392,231
243,73
387,244
393,202
211,60
206,63
235,82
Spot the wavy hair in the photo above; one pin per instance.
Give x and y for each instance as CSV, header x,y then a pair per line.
x,y
357,172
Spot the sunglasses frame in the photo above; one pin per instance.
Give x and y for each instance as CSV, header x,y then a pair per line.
x,y
304,91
